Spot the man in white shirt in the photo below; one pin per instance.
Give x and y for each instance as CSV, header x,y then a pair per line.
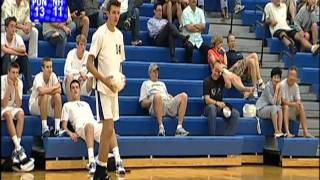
x,y
107,50
293,108
155,97
79,114
76,68
21,10
11,101
13,49
276,18
45,99
193,22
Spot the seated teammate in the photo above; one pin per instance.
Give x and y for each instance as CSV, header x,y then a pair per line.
x,y
79,114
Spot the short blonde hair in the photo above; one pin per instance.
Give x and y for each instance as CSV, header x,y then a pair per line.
x,y
217,40
81,38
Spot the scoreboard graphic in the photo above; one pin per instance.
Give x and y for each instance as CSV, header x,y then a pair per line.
x,y
48,10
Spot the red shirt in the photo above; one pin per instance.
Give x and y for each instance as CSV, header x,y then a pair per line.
x,y
217,56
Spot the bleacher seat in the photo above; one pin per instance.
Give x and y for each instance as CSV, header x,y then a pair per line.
x,y
249,17
7,145
309,75
302,147
301,60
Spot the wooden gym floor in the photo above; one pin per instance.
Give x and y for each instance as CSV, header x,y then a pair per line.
x,y
251,172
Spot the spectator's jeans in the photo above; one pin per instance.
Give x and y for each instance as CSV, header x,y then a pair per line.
x,y
24,64
212,111
167,37
60,42
189,51
97,19
33,41
134,23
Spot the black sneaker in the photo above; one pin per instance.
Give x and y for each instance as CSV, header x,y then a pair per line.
x,y
293,49
59,133
101,173
45,133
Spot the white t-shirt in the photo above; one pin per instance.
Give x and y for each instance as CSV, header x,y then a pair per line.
x,y
279,14
110,47
78,113
39,82
149,88
290,93
74,65
16,42
4,85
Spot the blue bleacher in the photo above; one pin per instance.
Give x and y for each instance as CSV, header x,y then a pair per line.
x,y
7,145
301,60
309,75
298,146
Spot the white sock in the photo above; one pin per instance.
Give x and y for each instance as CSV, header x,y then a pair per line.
x,y
103,164
179,126
260,81
16,142
19,140
44,124
57,124
90,154
116,154
161,126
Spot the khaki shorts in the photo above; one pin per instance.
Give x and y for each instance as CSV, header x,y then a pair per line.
x,y
170,107
240,69
293,114
107,107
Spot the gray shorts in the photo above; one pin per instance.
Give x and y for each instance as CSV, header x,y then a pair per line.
x,y
267,111
170,107
293,113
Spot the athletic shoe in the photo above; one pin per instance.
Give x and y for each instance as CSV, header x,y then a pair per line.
x,y
101,173
255,94
91,167
136,43
181,132
15,157
161,132
119,168
261,85
127,24
59,133
293,49
315,49
45,133
238,8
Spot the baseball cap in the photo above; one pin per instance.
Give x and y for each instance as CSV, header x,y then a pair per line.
x,y
152,67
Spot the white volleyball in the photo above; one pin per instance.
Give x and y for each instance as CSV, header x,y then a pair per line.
x,y
119,81
226,112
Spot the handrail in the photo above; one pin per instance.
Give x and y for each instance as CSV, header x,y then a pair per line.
x,y
262,24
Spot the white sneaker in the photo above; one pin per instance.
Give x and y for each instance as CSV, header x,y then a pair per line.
x,y
181,132
238,8
161,132
91,167
119,168
261,85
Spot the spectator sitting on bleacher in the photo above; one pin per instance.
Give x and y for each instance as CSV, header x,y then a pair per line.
x,y
293,108
247,68
213,86
155,97
171,10
21,10
163,32
292,8
80,115
75,67
129,19
46,96
276,15
95,14
13,49
224,8
194,23
306,21
78,15
11,101
217,53
57,33
269,103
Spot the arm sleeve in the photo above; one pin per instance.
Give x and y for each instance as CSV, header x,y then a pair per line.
x,y
184,18
64,113
203,20
268,93
67,66
95,45
297,95
298,20
206,88
54,79
143,91
267,11
20,88
19,40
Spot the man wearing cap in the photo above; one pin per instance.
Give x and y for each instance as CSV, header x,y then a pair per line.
x,y
213,96
155,97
